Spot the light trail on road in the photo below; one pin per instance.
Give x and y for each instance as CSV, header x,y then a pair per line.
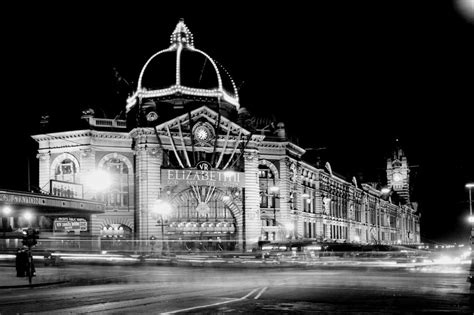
x,y
131,290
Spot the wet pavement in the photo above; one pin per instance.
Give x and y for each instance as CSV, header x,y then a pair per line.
x,y
169,289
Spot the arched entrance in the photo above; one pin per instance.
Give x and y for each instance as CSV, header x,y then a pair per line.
x,y
205,218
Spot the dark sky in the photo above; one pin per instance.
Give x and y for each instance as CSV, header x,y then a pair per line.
x,y
344,76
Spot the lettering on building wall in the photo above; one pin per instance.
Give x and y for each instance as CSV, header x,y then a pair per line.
x,y
14,199
217,178
70,224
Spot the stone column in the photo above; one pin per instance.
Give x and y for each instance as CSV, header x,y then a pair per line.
x,y
88,165
318,206
284,217
252,224
148,183
44,170
298,217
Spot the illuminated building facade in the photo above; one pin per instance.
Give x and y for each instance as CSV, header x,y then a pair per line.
x,y
188,144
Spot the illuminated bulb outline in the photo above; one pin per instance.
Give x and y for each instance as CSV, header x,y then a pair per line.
x,y
178,44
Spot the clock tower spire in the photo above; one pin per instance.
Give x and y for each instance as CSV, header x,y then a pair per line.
x,y
398,173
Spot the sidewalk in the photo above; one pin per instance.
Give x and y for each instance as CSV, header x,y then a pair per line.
x,y
45,276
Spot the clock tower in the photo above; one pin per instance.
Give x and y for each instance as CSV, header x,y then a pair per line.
x,y
398,173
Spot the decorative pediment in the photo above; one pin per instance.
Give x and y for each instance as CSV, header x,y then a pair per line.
x,y
202,115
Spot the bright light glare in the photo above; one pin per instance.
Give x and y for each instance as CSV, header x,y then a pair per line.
x,y
385,190
466,8
98,180
357,239
274,189
446,260
7,210
465,255
470,185
471,219
28,216
162,207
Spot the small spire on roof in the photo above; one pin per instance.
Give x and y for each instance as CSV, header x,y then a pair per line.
x,y
181,34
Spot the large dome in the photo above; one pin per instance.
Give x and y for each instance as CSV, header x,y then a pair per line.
x,y
184,71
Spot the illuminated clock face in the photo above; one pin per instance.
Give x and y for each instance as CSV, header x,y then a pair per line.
x,y
202,133
397,177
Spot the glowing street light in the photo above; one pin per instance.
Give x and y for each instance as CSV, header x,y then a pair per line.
x,y
98,181
7,210
274,189
162,208
385,190
289,228
28,216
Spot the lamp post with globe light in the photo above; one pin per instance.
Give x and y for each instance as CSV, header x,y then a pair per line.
x,y
28,216
274,190
162,209
97,181
471,238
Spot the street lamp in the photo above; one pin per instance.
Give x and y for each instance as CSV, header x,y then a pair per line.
x,y
471,238
98,181
274,190
162,208
289,226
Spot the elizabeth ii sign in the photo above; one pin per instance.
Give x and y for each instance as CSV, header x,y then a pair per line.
x,y
192,177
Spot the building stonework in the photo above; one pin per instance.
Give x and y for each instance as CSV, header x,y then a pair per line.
x,y
182,126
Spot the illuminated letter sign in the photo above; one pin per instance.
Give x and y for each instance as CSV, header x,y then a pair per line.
x,y
70,224
187,177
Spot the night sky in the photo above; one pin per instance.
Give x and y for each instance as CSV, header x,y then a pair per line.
x,y
346,78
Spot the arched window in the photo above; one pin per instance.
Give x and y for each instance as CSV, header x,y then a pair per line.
x,y
268,188
118,192
66,170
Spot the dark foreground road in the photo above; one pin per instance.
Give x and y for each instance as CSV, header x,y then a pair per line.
x,y
132,290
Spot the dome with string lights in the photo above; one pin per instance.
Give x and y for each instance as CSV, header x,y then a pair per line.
x,y
184,71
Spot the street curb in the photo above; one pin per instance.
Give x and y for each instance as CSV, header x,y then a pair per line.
x,y
32,285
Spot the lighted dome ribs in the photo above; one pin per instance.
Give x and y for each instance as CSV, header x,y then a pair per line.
x,y
193,76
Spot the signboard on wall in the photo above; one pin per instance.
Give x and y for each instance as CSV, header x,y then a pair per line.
x,y
70,224
217,178
66,189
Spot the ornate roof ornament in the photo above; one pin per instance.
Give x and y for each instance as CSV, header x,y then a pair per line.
x,y
219,84
182,35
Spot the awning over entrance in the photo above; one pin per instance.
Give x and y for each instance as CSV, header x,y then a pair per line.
x,y
49,205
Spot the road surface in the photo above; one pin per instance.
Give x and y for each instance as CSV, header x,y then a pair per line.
x,y
165,289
